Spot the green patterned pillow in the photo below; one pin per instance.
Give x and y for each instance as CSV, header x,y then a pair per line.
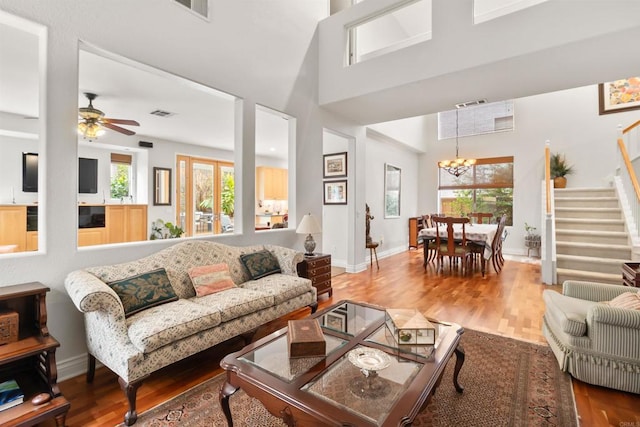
x,y
144,291
260,264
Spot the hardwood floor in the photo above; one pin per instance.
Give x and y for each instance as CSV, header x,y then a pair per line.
x,y
508,304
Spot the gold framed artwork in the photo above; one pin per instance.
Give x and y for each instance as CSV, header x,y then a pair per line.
x,y
335,165
619,95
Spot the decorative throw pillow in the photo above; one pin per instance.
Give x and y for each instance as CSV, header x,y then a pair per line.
x,y
630,300
144,291
209,279
260,264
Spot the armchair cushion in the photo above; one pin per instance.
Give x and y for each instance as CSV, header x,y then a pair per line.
x,y
630,300
144,291
570,313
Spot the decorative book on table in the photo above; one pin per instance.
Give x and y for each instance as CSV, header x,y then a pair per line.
x,y
10,394
305,339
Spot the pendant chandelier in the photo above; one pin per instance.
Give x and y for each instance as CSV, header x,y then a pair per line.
x,y
458,166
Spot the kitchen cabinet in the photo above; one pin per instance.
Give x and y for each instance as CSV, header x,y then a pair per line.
x,y
126,223
271,183
13,226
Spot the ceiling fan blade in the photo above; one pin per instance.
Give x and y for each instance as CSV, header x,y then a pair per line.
x,y
120,121
117,128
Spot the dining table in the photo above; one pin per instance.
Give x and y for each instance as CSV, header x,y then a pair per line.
x,y
478,233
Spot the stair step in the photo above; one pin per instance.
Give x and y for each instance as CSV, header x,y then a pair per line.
x,y
603,213
585,263
567,274
594,224
592,236
593,250
585,192
593,202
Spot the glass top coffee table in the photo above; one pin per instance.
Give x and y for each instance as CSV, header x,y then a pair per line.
x,y
365,378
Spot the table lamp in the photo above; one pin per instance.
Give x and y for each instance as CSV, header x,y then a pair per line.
x,y
309,225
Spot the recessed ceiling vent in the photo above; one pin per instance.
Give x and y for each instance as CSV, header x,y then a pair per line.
x,y
470,103
162,113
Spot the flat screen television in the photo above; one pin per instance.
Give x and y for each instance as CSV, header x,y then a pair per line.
x,y
30,172
87,175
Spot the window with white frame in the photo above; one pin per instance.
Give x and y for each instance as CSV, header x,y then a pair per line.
x,y
486,187
121,182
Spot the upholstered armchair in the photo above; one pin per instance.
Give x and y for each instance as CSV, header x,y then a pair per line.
x,y
595,342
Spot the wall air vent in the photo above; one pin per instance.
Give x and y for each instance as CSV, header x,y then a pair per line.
x,y
162,113
470,103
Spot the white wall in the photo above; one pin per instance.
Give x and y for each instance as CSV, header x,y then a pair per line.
x,y
550,46
392,232
335,227
11,149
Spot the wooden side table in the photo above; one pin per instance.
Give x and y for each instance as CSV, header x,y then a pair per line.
x,y
317,268
631,274
31,360
415,225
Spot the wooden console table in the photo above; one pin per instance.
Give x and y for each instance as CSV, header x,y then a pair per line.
x,y
31,360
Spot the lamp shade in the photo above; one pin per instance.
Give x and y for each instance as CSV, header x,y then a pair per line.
x,y
309,225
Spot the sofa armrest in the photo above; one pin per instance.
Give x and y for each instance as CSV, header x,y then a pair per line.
x,y
89,293
615,331
287,258
623,317
593,291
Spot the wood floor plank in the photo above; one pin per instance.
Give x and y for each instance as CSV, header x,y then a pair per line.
x,y
508,304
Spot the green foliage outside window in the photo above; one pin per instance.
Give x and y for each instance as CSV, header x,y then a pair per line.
x,y
498,201
227,195
119,181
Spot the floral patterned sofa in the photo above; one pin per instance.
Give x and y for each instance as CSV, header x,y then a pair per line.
x,y
134,340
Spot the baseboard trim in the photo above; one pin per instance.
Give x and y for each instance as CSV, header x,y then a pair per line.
x,y
73,367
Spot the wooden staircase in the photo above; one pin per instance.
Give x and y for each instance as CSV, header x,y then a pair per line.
x,y
592,242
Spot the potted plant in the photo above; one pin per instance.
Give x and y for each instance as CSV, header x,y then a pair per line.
x,y
559,170
165,230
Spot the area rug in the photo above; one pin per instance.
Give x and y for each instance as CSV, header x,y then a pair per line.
x,y
506,383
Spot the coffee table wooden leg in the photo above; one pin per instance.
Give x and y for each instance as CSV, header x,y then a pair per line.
x,y
225,392
459,351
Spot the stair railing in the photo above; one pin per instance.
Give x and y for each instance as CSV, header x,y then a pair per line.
x,y
630,189
548,250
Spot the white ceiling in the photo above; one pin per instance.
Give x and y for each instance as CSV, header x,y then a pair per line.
x,y
129,90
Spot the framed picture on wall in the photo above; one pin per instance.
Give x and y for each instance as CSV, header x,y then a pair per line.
x,y
335,192
335,165
620,95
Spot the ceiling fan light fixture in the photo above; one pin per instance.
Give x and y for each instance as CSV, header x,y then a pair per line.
x,y
93,123
90,130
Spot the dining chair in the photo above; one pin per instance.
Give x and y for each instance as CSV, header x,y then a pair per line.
x,y
451,248
496,246
429,247
478,217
